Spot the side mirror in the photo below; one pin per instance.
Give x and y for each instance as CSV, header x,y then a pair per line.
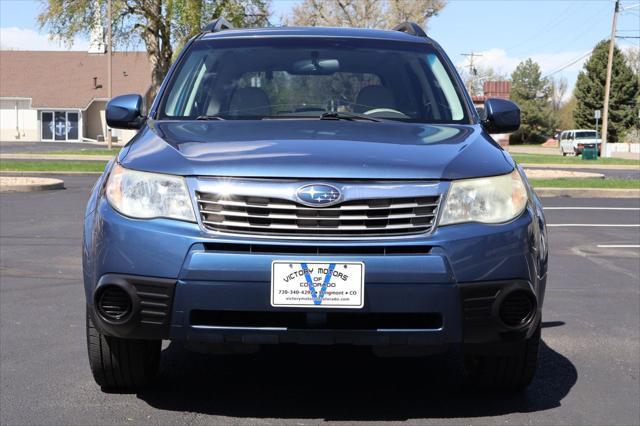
x,y
125,112
502,116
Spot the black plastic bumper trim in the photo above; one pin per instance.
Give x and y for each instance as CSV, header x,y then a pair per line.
x,y
480,304
151,300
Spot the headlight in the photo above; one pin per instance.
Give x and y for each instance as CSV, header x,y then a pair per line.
x,y
488,200
147,195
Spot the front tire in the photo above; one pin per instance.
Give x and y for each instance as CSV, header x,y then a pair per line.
x,y
511,372
121,364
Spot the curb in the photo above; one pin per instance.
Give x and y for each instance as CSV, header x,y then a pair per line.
x,y
45,184
561,174
49,157
580,166
30,173
588,192
84,142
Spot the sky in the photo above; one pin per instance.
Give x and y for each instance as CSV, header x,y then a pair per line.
x,y
558,34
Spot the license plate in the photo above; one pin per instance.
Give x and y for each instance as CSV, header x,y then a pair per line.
x,y
317,284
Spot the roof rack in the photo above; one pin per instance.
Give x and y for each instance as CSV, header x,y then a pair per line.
x,y
217,25
410,28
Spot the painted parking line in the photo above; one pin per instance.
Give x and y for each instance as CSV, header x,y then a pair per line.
x,y
618,246
593,208
593,225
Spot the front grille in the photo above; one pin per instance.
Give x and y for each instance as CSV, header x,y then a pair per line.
x,y
296,250
275,216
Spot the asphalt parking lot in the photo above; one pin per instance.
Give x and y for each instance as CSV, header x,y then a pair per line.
x,y
588,373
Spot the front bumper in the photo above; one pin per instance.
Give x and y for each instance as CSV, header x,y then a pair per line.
x,y
433,290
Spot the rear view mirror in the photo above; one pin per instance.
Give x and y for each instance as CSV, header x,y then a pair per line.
x,y
315,66
502,116
125,112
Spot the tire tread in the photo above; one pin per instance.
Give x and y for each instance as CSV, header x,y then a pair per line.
x,y
121,364
504,372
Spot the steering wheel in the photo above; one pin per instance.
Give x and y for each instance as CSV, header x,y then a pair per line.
x,y
386,113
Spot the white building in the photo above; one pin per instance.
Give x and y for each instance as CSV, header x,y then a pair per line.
x,y
61,96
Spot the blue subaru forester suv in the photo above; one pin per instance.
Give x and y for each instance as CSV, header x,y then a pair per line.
x,y
314,186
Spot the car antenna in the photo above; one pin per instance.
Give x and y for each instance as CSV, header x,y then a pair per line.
x,y
217,25
410,28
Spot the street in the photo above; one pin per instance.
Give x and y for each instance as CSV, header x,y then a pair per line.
x,y
588,372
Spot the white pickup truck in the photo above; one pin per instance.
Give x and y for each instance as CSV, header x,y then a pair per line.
x,y
573,141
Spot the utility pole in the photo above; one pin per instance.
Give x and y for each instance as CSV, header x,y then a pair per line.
x,y
473,73
109,58
607,85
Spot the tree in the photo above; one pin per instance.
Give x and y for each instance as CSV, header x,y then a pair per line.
x,y
162,25
533,95
633,60
589,92
558,90
363,13
565,114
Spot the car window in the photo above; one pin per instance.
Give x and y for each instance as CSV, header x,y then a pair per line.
x,y
586,135
302,93
285,78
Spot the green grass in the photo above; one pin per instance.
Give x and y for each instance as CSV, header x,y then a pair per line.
x,y
52,166
529,145
559,159
82,151
585,183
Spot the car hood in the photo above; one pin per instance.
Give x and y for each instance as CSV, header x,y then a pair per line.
x,y
316,149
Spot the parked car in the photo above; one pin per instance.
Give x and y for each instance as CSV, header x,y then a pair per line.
x,y
314,186
574,141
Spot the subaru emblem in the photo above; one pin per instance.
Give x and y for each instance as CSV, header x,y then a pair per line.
x,y
318,195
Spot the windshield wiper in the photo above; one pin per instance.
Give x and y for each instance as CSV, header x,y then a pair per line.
x,y
334,115
210,117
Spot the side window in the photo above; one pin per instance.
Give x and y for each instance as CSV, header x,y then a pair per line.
x,y
444,85
185,87
188,93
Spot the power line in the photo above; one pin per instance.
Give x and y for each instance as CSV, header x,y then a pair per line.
x,y
559,18
625,8
563,67
587,24
574,61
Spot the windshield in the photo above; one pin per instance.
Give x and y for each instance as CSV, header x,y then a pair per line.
x,y
586,135
300,78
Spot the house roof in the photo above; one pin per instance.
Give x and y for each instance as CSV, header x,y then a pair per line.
x,y
66,79
493,89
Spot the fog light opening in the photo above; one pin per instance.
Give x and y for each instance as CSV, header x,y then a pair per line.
x,y
517,308
114,303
